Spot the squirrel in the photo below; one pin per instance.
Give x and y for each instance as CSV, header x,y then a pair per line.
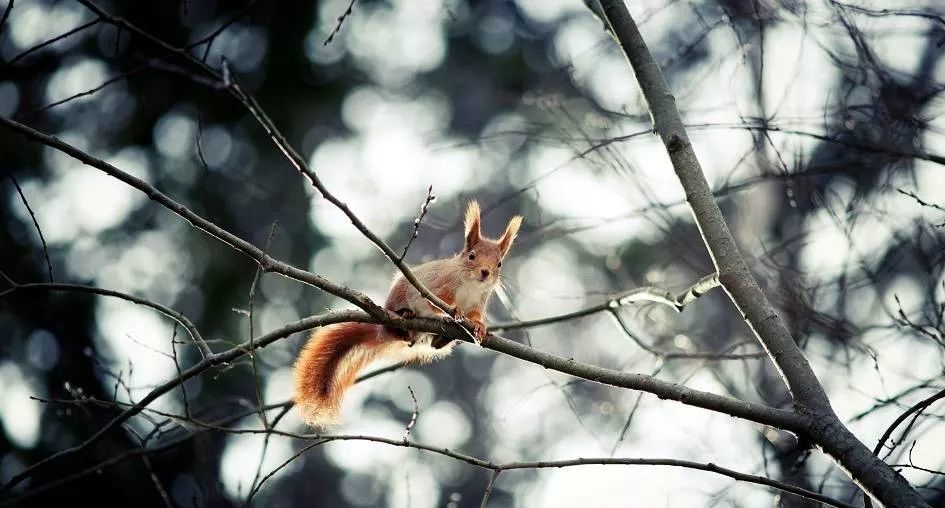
x,y
331,359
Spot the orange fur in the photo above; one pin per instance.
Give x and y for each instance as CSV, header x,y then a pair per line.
x,y
329,363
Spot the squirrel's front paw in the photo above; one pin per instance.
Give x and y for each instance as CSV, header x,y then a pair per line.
x,y
479,330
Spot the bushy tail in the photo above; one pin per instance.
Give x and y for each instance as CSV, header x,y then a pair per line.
x,y
329,364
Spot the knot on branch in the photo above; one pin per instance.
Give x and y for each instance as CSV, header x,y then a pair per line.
x,y
674,144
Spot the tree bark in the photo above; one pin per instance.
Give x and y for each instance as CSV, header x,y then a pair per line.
x,y
825,429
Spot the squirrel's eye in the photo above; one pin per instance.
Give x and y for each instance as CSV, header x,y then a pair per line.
x,y
500,264
472,255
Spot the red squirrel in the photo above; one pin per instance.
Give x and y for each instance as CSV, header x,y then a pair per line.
x,y
331,359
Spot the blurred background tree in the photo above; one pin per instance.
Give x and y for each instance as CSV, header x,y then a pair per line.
x,y
817,123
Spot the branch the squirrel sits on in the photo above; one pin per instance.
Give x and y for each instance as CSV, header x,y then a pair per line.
x,y
331,359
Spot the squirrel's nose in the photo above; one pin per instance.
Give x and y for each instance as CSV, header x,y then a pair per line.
x,y
485,273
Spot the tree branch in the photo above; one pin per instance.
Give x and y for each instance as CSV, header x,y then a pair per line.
x,y
39,230
302,167
167,311
496,468
876,477
268,263
642,294
779,418
211,361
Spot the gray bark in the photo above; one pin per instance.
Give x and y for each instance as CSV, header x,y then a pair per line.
x,y
824,427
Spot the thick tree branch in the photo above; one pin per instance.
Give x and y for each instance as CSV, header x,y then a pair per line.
x,y
733,272
876,477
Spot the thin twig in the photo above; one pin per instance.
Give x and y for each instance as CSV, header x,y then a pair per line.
x,y
265,448
278,468
35,224
53,40
6,14
916,408
259,467
167,311
302,167
214,360
641,294
252,332
157,481
413,416
416,223
341,20
269,264
488,492
183,386
710,467
107,82
922,202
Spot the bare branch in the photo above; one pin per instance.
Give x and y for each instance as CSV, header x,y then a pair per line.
x,y
488,492
278,468
6,14
872,474
413,416
269,264
167,311
211,361
302,167
53,40
710,467
341,20
642,294
922,202
779,418
416,223
106,83
252,332
35,224
916,408
157,481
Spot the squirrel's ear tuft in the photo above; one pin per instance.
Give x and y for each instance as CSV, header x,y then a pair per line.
x,y
511,231
473,234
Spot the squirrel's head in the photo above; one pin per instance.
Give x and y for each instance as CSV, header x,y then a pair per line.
x,y
482,257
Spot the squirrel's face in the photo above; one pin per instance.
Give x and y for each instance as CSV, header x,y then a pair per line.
x,y
482,261
482,257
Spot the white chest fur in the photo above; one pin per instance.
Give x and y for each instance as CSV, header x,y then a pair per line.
x,y
473,296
